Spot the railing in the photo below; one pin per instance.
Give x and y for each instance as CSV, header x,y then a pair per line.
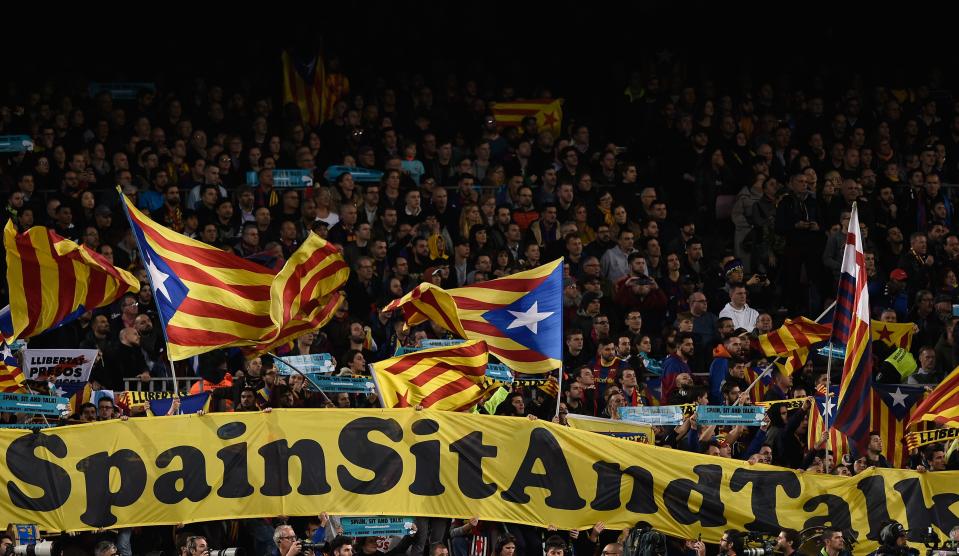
x,y
159,384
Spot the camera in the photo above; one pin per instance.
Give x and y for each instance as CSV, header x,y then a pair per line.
x,y
935,545
45,548
310,546
760,544
226,552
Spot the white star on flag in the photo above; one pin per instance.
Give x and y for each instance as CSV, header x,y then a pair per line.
x,y
530,318
159,278
898,398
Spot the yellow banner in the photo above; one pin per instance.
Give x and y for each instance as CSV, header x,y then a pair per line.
x,y
619,429
167,470
935,436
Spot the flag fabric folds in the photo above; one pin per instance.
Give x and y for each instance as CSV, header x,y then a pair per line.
x,y
851,329
451,378
207,298
11,377
519,316
822,406
52,281
892,405
188,404
548,113
793,335
893,334
758,391
307,84
793,361
941,406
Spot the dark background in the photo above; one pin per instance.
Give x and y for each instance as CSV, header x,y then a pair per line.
x,y
582,50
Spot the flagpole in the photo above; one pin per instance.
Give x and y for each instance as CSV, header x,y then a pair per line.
x,y
304,375
769,366
562,342
143,258
825,416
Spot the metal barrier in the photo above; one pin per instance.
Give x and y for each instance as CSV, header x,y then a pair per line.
x,y
159,384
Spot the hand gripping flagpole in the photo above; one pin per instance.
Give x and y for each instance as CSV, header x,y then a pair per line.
x,y
153,290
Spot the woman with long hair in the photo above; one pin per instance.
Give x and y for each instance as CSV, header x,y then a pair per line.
x,y
470,216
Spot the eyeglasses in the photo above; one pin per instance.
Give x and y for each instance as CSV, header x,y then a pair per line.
x,y
287,538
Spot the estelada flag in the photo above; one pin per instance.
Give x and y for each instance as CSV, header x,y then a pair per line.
x,y
208,298
520,316
11,377
547,111
893,334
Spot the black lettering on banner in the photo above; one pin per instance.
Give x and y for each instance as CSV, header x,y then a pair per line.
x,y
874,490
920,516
358,449
609,479
192,473
837,512
100,499
427,465
557,479
676,497
276,467
765,486
53,480
235,481
469,472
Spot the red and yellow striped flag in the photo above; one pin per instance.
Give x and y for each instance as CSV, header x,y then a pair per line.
x,y
451,378
53,280
794,361
307,84
208,298
793,335
547,111
941,405
11,377
893,334
892,405
519,316
838,444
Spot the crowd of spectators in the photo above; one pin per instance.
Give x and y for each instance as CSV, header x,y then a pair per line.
x,y
710,219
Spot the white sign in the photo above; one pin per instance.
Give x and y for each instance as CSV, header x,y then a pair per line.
x,y
59,365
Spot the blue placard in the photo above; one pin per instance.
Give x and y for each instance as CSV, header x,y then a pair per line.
x,y
348,384
30,403
292,178
121,90
376,526
313,363
732,415
836,352
28,426
404,350
499,372
26,534
15,143
441,343
653,415
360,175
